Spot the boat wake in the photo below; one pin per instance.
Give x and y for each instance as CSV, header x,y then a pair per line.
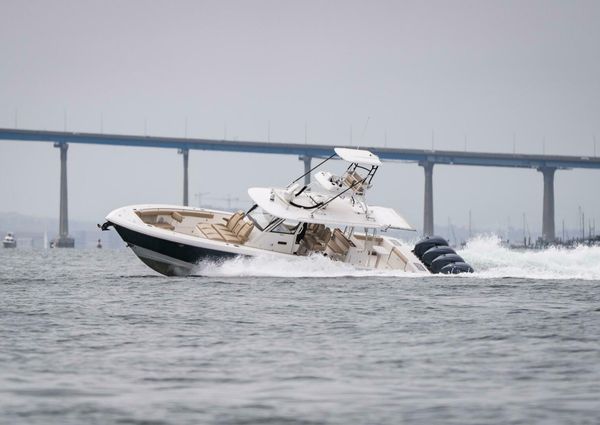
x,y
485,253
295,267
492,260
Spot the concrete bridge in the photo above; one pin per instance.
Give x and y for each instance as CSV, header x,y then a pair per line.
x,y
545,164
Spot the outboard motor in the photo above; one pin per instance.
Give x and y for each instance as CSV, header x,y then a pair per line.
x,y
438,257
456,268
432,253
428,242
443,260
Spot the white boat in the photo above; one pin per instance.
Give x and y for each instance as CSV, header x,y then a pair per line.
x,y
328,217
9,241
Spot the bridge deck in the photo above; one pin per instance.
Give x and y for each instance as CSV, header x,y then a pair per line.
x,y
485,159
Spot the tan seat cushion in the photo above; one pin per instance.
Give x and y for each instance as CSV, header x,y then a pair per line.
x,y
208,232
146,213
354,180
238,227
240,233
218,226
203,226
339,243
164,225
200,214
313,244
312,227
335,247
234,220
226,235
325,235
176,216
245,231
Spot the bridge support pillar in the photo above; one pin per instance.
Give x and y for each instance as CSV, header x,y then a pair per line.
x,y
428,200
63,240
307,166
186,158
548,231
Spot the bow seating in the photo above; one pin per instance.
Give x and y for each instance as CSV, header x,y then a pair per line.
x,y
235,230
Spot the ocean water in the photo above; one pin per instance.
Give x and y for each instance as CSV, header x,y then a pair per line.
x,y
94,336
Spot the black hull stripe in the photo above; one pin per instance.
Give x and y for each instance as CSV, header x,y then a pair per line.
x,y
179,251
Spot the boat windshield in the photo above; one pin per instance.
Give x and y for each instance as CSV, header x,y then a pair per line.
x,y
260,217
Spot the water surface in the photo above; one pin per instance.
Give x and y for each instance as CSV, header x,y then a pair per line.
x,y
97,337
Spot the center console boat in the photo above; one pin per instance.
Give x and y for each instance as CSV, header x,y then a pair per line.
x,y
329,217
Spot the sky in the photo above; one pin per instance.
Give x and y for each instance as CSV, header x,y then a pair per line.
x,y
497,76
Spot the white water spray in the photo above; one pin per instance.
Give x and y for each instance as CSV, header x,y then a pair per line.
x,y
491,260
294,267
485,253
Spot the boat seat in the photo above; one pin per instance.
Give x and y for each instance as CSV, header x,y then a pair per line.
x,y
226,235
146,213
148,217
245,231
238,235
231,221
314,227
176,216
228,232
164,225
353,178
206,230
313,244
204,226
315,230
236,215
324,235
200,214
317,238
338,243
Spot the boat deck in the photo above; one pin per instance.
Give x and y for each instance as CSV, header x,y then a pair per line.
x,y
359,249
225,227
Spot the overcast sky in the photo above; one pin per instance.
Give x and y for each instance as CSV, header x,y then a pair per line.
x,y
491,76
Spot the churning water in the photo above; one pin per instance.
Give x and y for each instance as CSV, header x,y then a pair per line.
x,y
96,337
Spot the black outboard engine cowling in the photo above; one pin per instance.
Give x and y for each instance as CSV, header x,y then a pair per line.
x,y
433,253
427,243
443,260
456,268
438,257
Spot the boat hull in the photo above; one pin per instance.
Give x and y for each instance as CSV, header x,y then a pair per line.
x,y
170,240
168,257
9,244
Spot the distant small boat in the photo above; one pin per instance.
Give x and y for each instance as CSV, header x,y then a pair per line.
x,y
9,241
